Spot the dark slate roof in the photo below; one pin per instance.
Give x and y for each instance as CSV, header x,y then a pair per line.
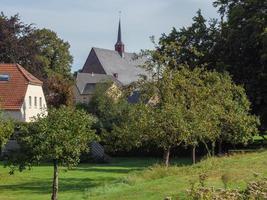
x,y
86,82
110,61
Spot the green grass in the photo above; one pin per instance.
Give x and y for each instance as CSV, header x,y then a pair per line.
x,y
130,178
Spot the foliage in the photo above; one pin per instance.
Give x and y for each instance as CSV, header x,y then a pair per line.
x,y
200,106
41,52
6,129
212,194
16,42
59,90
61,137
126,132
256,190
54,52
191,45
242,48
109,109
55,61
236,43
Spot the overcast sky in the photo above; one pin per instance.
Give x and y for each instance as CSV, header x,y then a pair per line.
x,y
88,23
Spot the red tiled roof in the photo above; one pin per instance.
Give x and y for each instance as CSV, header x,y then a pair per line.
x,y
12,92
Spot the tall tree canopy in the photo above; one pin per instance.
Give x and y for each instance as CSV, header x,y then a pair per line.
x,y
243,48
41,52
236,43
192,45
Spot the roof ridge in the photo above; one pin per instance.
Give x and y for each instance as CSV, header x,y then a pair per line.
x,y
111,50
24,73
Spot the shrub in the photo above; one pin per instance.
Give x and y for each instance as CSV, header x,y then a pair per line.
x,y
255,190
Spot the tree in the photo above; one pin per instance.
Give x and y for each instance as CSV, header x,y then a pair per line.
x,y
59,90
61,137
55,62
208,106
193,45
108,105
6,129
243,48
42,53
16,43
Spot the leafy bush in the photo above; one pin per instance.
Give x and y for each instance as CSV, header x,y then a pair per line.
x,y
256,190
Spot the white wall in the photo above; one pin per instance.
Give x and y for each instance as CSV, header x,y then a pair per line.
x,y
30,111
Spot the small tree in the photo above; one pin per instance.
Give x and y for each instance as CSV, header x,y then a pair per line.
x,y
6,130
61,137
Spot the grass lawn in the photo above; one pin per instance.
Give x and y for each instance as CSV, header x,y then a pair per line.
x,y
130,178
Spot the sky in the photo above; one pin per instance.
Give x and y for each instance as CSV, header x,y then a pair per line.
x,y
94,23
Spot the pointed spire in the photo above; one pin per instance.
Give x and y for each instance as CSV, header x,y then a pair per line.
x,y
119,46
119,32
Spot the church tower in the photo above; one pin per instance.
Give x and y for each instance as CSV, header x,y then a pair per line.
x,y
119,46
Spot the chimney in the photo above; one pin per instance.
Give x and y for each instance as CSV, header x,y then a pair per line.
x,y
116,75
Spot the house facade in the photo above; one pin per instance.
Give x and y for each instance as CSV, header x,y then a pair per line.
x,y
86,84
21,94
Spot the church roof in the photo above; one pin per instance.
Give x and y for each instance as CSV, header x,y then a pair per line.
x,y
127,67
86,82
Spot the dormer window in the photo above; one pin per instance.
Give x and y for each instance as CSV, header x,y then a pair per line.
x,y
4,77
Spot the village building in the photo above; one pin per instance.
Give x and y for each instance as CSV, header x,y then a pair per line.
x,y
101,65
21,94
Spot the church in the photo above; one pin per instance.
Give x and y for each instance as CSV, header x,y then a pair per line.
x,y
102,65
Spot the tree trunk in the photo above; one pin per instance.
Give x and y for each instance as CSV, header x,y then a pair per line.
x,y
167,156
55,181
207,148
213,148
220,146
194,154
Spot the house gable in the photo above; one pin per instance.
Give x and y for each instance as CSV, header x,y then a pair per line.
x,y
92,64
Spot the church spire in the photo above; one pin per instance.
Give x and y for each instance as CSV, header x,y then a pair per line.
x,y
119,32
119,46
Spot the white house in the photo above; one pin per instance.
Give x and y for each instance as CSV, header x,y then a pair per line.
x,y
21,94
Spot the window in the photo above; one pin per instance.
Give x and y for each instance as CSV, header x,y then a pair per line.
x,y
40,102
30,101
4,77
35,102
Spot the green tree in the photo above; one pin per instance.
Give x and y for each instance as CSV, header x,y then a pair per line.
x,y
6,129
212,108
243,47
61,137
193,45
42,53
107,108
